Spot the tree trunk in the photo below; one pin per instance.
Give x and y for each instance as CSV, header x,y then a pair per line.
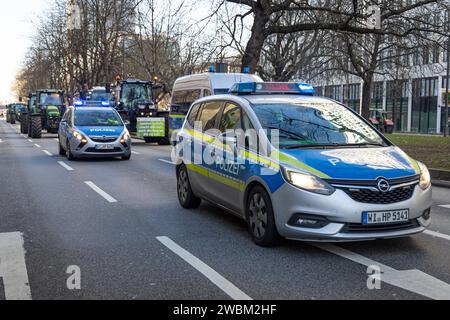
x,y
366,98
258,36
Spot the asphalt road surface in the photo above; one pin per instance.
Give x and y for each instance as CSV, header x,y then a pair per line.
x,y
116,229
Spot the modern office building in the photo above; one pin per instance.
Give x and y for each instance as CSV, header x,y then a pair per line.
x,y
415,101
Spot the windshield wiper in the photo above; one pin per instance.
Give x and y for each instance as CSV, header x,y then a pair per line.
x,y
332,145
288,134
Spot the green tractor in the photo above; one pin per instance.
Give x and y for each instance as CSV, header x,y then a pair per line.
x,y
45,110
11,115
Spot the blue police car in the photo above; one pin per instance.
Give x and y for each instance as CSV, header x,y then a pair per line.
x,y
94,131
299,167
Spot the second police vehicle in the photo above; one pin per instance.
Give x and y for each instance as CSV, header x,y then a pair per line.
x,y
298,166
93,131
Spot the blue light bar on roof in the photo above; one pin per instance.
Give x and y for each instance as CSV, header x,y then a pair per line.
x,y
82,103
273,88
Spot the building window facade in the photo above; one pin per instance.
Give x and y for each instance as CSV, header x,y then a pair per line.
x,y
397,97
424,110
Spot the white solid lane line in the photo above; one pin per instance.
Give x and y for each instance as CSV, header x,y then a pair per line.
x,y
437,234
47,153
226,286
13,268
37,146
447,206
167,161
65,166
412,280
102,193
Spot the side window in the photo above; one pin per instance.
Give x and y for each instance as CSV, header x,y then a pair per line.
x,y
207,93
250,140
231,118
210,114
193,115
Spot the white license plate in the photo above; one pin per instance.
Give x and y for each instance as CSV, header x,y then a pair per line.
x,y
385,217
104,147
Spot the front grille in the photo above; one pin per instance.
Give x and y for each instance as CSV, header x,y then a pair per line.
x,y
93,150
367,191
104,140
377,197
360,228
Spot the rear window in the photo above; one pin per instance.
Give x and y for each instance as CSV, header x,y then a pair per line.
x,y
97,118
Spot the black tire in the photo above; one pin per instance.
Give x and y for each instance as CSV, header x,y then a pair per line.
x,y
261,219
149,140
164,142
68,152
126,158
13,119
186,195
36,128
23,124
62,152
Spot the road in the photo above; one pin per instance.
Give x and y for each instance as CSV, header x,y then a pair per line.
x,y
119,222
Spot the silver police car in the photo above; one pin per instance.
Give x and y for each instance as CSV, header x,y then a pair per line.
x,y
299,167
93,132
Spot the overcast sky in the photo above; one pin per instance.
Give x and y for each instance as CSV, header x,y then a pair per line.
x,y
16,30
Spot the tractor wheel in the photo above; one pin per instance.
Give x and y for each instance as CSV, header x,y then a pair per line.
x,y
13,119
36,128
23,124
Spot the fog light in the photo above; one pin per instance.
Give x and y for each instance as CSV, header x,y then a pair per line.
x,y
308,221
427,214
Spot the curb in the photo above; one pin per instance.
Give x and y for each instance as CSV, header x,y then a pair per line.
x,y
441,184
440,175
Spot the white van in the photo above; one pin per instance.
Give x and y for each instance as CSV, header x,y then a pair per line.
x,y
188,89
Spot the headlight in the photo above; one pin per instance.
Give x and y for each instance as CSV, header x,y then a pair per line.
x,y
308,182
78,135
425,177
126,136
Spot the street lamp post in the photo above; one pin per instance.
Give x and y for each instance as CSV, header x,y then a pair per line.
x,y
447,89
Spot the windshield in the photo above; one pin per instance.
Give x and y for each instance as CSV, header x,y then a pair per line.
x,y
97,118
315,125
133,92
100,96
51,99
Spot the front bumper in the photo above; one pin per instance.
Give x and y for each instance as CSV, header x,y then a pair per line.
x,y
89,150
344,215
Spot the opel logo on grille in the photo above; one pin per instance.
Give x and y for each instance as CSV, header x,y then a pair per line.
x,y
383,185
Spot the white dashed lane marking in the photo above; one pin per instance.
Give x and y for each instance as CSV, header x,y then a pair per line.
x,y
37,146
47,153
65,166
13,269
412,280
167,161
226,286
446,206
102,193
437,235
